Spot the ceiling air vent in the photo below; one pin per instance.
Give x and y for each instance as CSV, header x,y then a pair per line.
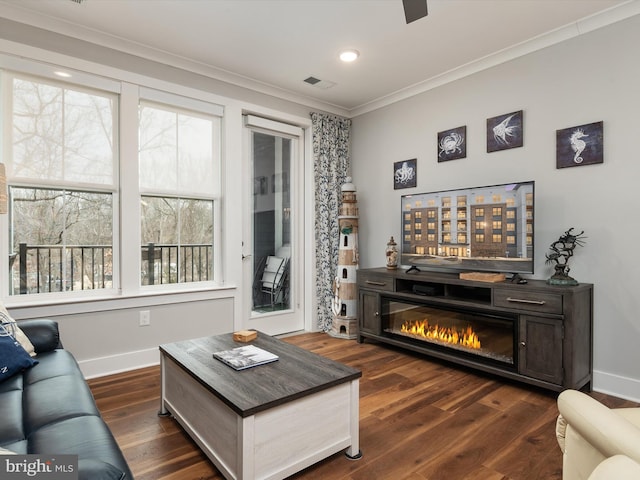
x,y
78,1
316,82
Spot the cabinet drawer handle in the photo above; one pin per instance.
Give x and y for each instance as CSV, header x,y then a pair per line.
x,y
521,300
377,284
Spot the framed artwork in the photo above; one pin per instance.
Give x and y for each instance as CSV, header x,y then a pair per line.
x,y
504,132
260,185
405,174
452,144
581,145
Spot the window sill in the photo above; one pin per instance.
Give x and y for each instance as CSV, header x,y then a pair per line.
x,y
57,305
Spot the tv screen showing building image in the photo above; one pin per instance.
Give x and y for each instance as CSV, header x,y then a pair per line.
x,y
486,229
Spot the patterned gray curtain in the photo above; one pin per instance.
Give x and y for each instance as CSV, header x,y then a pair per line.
x,y
331,140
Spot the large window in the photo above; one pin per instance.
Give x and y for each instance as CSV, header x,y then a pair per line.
x,y
179,184
61,154
73,218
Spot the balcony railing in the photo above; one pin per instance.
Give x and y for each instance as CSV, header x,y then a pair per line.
x,y
194,262
56,268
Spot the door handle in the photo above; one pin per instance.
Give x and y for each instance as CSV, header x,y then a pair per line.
x,y
245,256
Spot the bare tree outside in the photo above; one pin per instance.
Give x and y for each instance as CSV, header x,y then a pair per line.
x,y
61,135
176,164
61,236
62,177
179,234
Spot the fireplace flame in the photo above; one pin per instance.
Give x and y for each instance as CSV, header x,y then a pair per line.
x,y
421,328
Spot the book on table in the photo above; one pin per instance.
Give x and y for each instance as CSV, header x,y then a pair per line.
x,y
245,357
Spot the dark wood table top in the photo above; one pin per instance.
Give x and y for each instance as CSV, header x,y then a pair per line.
x,y
297,372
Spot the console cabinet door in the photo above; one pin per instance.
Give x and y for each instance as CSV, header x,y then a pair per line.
x,y
540,348
369,312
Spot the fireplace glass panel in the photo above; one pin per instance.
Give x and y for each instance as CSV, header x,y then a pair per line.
x,y
487,337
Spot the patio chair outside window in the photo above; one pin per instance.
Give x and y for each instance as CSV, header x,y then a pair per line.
x,y
273,278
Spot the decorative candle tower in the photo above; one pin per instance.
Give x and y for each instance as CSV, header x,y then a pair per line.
x,y
345,300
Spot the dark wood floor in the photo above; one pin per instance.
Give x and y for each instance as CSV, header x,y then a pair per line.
x,y
419,419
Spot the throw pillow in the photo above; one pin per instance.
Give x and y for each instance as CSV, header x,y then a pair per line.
x,y
19,334
13,358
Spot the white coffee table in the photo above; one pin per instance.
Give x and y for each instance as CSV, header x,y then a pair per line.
x,y
266,422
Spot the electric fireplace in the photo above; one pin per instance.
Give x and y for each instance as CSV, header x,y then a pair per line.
x,y
485,337
534,332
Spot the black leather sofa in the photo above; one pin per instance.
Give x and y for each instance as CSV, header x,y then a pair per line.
x,y
49,409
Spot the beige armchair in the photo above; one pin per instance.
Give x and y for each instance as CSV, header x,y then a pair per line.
x,y
617,467
589,433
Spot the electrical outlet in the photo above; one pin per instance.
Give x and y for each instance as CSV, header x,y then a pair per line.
x,y
145,318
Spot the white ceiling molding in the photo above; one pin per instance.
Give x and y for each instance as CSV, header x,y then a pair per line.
x,y
589,24
12,11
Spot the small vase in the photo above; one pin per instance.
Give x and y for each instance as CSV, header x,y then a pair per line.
x,y
392,254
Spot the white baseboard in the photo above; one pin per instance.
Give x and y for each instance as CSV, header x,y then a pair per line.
x,y
616,385
99,367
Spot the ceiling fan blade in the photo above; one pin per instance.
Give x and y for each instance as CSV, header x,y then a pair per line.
x,y
414,9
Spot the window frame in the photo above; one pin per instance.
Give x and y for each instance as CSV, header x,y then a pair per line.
x,y
100,88
125,189
214,113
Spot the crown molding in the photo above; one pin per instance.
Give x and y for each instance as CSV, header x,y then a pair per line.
x,y
581,27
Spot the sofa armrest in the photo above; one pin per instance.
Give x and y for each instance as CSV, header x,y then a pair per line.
x,y
43,333
605,430
617,467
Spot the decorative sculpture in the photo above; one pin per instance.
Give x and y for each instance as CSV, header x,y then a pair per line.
x,y
345,294
561,251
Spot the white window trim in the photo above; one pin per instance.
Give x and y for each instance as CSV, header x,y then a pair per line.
x,y
281,128
33,73
188,103
212,112
125,187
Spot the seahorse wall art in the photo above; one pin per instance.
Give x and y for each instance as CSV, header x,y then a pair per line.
x,y
580,145
577,144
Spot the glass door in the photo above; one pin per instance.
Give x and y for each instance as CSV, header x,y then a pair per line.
x,y
272,253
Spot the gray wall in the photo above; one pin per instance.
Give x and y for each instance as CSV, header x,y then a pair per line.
x,y
590,78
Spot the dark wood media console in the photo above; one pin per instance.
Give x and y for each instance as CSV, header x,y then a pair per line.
x,y
550,326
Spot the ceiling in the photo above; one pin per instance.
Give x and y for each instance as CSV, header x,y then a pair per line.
x,y
273,45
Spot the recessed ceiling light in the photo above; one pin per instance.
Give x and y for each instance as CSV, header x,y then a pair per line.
x,y
349,55
62,74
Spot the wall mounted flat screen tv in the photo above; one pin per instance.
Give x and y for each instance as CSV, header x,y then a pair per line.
x,y
484,229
